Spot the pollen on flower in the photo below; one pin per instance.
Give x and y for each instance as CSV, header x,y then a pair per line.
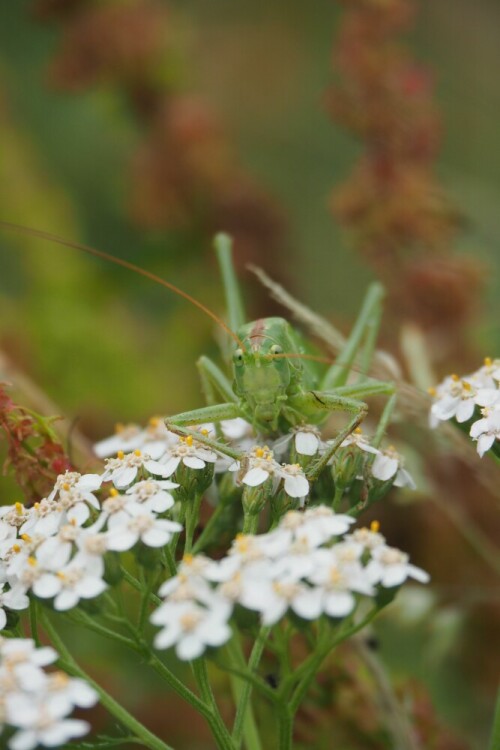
x,y
335,575
187,559
488,361
259,452
113,492
66,487
204,432
16,548
59,680
32,561
189,620
375,526
432,391
242,543
137,452
26,537
36,506
455,377
120,454
189,440
466,386
20,508
358,431
154,421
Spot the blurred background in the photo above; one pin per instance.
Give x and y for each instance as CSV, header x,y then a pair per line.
x,y
337,142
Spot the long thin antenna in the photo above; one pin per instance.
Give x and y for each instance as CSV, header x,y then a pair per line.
x,y
125,264
298,355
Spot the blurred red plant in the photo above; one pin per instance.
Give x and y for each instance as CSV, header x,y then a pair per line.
x,y
184,173
402,220
34,453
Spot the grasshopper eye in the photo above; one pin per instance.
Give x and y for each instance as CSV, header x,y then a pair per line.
x,y
275,349
238,357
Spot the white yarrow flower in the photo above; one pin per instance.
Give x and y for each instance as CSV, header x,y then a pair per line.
x,y
191,627
390,567
388,464
486,430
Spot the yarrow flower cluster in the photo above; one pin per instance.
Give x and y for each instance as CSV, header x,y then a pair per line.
x,y
302,566
260,466
471,398
56,548
36,703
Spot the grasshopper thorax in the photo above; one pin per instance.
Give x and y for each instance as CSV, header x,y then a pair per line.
x,y
263,376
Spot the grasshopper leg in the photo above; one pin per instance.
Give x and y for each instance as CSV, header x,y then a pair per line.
x,y
312,401
181,423
214,382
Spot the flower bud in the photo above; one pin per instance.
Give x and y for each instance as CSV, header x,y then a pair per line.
x,y
347,467
194,481
255,498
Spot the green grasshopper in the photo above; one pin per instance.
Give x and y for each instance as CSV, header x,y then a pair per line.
x,y
274,388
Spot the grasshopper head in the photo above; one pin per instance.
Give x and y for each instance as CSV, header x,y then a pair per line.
x,y
262,379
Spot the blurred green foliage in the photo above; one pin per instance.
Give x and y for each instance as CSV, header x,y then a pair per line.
x,y
107,346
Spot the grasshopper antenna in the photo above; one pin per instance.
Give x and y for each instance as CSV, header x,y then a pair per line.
x,y
40,234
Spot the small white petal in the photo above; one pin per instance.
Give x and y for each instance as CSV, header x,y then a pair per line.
x,y
190,647
123,477
339,603
67,599
484,443
193,463
156,537
308,604
122,539
384,467
24,740
465,410
296,486
255,476
306,443
169,467
46,586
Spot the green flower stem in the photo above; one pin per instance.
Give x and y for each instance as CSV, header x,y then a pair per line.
x,y
151,584
250,523
495,731
82,618
337,498
244,722
285,719
182,690
137,586
207,532
33,612
149,739
169,560
192,517
252,678
314,662
219,729
142,647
